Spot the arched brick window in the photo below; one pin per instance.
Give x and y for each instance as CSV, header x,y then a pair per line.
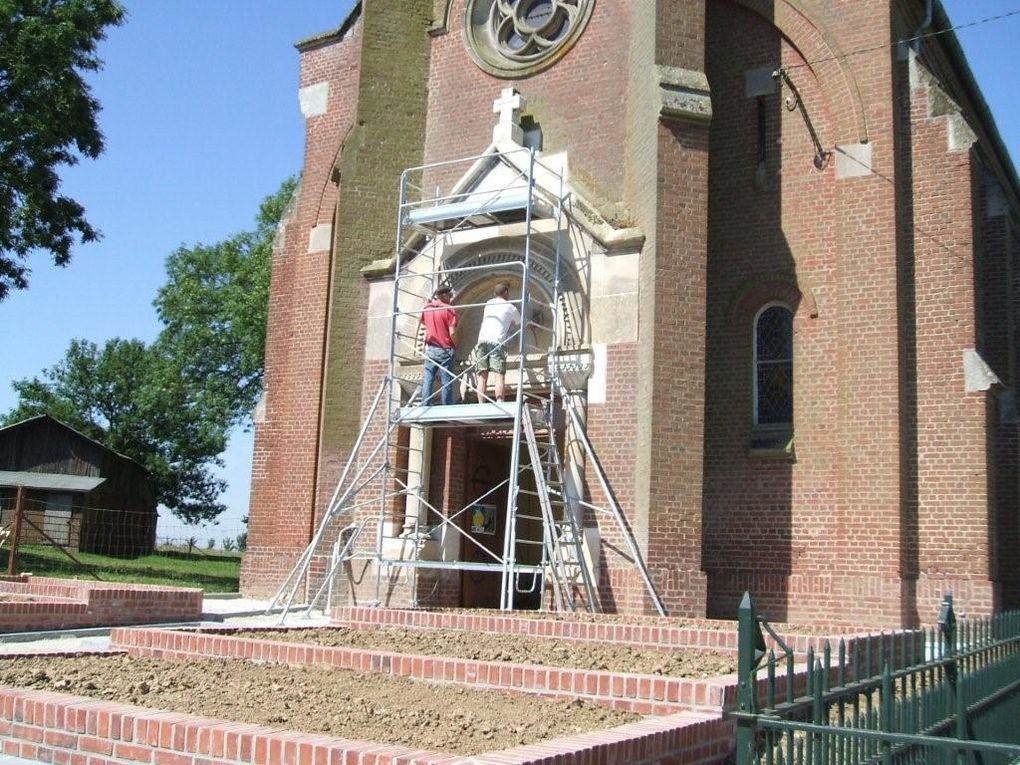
x,y
773,366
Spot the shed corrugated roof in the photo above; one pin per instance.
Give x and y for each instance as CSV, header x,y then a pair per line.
x,y
50,481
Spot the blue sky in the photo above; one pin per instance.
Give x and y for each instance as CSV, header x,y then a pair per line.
x,y
201,120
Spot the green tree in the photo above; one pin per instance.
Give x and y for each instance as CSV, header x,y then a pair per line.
x,y
216,299
47,120
91,389
171,405
125,396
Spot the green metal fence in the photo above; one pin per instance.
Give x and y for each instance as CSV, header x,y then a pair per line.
x,y
944,696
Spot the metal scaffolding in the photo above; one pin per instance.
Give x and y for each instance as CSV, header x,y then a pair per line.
x,y
384,487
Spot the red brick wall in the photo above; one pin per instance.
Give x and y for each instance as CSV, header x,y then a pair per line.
x,y
286,443
671,344
610,429
955,468
752,526
53,727
895,471
887,502
460,123
642,694
460,117
386,139
67,604
814,535
672,365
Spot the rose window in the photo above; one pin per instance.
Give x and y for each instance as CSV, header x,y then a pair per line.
x,y
515,38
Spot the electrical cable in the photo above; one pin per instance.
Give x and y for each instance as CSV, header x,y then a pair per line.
x,y
907,40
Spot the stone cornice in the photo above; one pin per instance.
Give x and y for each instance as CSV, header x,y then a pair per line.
x,y
683,95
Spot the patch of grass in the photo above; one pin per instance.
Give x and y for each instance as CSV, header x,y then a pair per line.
x,y
219,573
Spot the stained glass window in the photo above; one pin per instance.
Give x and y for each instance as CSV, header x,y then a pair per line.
x,y
773,362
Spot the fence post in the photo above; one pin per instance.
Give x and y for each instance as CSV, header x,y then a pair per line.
x,y
885,712
19,512
947,626
750,650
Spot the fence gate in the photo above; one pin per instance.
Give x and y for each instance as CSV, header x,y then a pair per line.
x,y
945,696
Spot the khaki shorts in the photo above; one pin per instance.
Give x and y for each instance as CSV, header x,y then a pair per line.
x,y
490,356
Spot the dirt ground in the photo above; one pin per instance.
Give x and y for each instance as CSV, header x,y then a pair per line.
x,y
518,649
595,618
370,707
337,702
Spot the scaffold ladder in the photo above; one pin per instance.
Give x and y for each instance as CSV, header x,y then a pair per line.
x,y
564,554
595,466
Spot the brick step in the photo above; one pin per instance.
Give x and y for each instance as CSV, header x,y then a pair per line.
x,y
642,694
653,633
54,727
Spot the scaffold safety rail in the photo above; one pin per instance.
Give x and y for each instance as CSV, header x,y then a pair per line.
x,y
503,221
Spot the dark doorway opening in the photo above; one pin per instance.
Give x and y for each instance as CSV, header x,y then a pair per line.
x,y
484,524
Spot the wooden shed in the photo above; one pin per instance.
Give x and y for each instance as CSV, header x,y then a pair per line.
x,y
77,493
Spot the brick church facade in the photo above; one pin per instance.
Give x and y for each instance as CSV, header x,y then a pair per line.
x,y
802,318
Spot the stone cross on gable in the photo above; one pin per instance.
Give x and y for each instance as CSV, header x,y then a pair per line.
x,y
508,107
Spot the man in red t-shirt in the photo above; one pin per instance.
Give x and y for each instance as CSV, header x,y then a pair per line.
x,y
440,321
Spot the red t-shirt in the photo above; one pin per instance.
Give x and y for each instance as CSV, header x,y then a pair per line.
x,y
439,320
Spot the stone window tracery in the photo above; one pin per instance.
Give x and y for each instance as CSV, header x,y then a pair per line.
x,y
516,38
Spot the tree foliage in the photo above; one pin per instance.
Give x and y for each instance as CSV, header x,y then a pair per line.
x,y
124,396
216,299
170,405
47,120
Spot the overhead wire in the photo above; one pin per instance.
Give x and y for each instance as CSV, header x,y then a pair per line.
x,y
940,79
907,40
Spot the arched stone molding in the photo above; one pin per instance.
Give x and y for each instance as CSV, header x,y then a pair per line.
x,y
511,249
476,287
801,24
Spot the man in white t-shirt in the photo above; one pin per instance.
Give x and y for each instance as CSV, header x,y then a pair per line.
x,y
498,322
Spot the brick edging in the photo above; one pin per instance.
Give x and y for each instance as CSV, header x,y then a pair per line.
x,y
641,633
643,694
70,604
55,727
634,634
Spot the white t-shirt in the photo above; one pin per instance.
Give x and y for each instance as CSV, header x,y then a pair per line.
x,y
498,320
